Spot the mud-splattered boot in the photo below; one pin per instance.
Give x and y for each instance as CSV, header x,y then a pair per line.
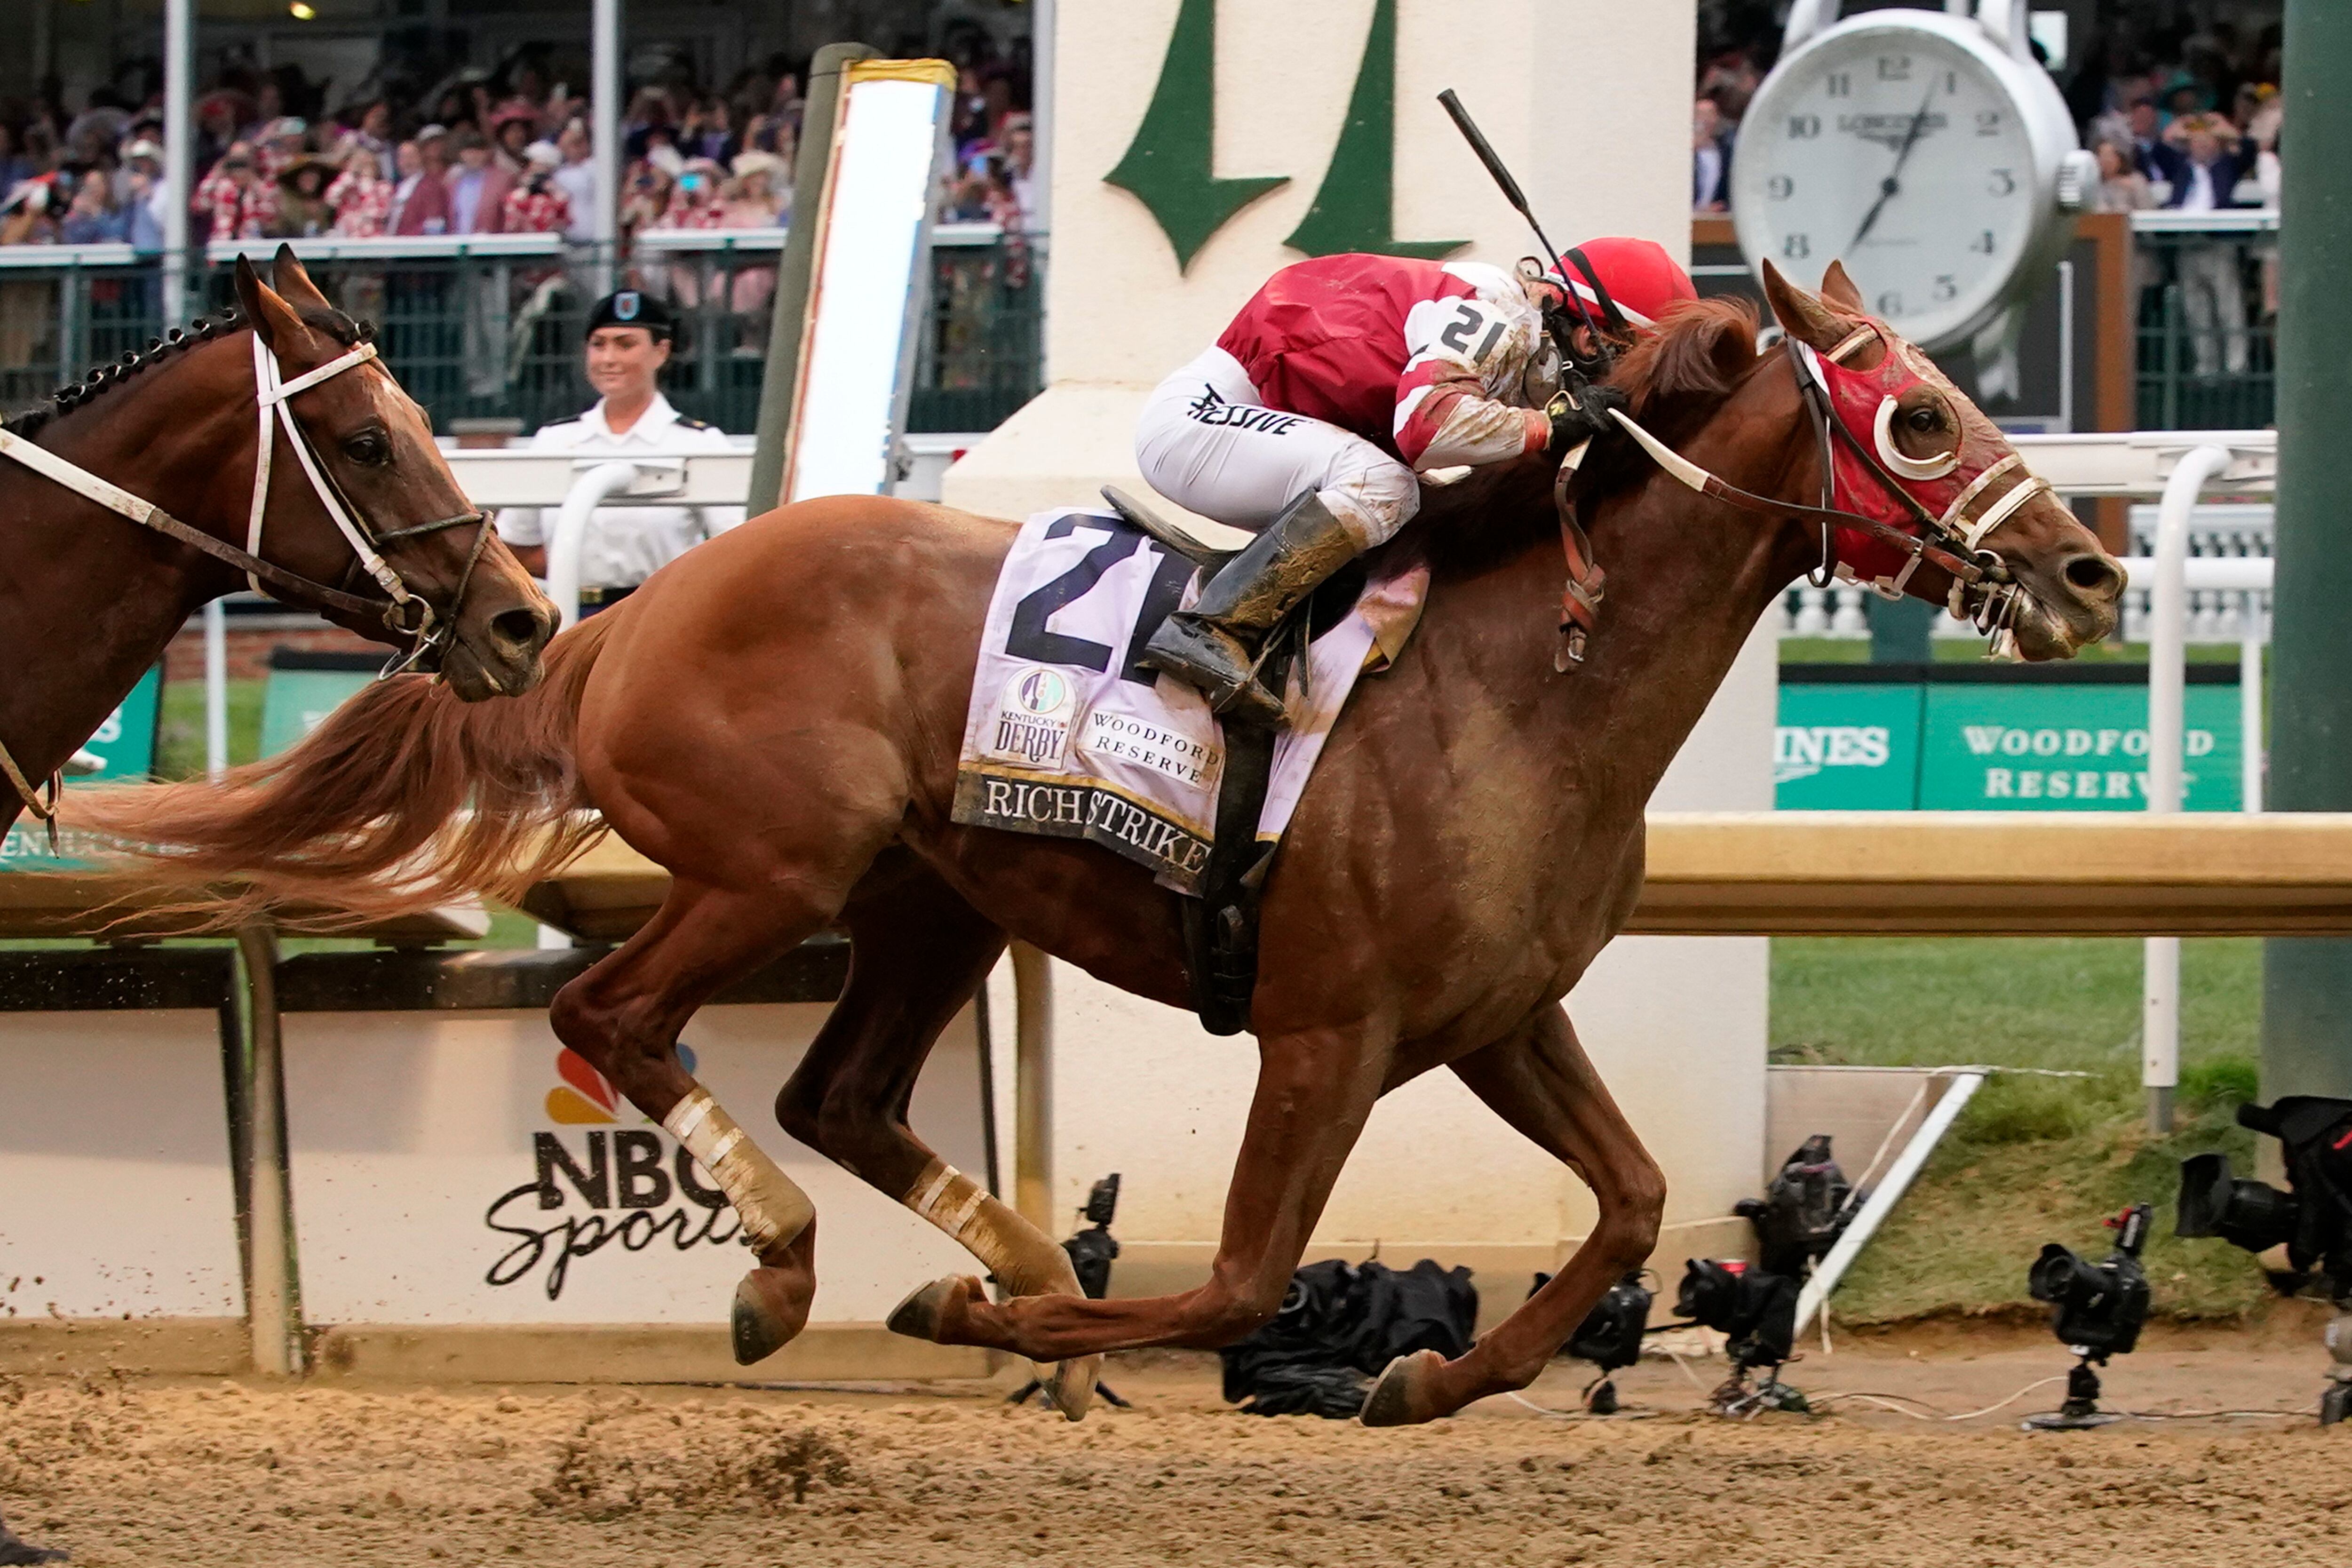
x,y
1213,645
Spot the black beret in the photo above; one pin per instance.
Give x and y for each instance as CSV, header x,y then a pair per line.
x,y
634,308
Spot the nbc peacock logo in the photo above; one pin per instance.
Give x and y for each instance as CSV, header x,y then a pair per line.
x,y
586,1098
606,1188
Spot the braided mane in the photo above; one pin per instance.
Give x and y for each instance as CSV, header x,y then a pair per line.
x,y
203,330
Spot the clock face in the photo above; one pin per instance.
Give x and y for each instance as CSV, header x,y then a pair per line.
x,y
1899,150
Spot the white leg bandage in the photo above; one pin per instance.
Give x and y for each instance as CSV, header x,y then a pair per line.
x,y
963,1208
773,1209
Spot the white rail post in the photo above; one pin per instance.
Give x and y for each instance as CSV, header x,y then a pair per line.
x,y
589,491
605,46
1886,1195
2250,709
215,689
179,153
2167,652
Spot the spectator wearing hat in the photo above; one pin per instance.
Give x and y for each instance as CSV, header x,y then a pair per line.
x,y
360,198
629,340
302,207
537,204
233,200
512,130
755,196
420,203
142,195
478,186
282,141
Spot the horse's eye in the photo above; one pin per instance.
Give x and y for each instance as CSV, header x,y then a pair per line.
x,y
1926,420
368,449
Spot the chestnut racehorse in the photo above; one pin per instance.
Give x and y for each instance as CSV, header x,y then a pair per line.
x,y
776,717
89,598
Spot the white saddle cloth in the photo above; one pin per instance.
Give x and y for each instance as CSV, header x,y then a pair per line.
x,y
1068,737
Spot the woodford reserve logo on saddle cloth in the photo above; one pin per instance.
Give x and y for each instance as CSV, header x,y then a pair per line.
x,y
1068,737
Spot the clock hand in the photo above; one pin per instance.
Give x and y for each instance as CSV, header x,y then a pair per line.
x,y
1891,184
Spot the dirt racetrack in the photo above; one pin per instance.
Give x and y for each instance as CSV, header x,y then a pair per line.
x,y
127,1473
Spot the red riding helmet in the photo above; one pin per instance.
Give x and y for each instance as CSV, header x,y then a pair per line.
x,y
1638,275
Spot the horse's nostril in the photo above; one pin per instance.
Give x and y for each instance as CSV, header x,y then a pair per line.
x,y
2094,576
520,629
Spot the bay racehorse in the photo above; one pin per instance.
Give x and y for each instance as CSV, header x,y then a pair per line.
x,y
177,474
776,719
128,499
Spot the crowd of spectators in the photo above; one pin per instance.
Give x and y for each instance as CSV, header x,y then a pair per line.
x,y
489,153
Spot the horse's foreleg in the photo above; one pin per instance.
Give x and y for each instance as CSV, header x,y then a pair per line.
x,y
1539,1081
1313,1091
624,1015
920,952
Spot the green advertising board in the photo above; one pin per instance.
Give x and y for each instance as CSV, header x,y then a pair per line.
x,y
304,688
1992,738
125,747
1847,748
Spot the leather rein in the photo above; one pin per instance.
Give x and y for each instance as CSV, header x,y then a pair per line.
x,y
1982,591
400,609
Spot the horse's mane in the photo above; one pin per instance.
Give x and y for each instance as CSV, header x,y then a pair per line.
x,y
1700,352
1701,349
326,319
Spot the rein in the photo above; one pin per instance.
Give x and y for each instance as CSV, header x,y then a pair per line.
x,y
270,391
1982,590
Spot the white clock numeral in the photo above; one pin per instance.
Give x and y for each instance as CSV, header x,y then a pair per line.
x,y
2003,182
1797,247
1841,84
1894,68
1890,303
1779,188
1987,122
1982,244
1802,126
1946,291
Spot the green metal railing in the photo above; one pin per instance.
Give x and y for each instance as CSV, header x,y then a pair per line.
x,y
2208,348
494,329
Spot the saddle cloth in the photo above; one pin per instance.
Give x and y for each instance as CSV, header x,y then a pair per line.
x,y
1068,737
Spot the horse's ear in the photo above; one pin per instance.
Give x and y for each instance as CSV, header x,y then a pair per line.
x,y
272,318
292,282
1803,316
1839,290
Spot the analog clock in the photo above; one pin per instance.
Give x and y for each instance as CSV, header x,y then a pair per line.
x,y
1921,150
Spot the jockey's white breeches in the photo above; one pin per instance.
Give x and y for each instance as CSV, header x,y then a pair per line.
x,y
1207,443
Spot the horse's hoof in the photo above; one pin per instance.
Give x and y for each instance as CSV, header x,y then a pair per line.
x,y
923,1314
772,1307
1072,1385
1402,1395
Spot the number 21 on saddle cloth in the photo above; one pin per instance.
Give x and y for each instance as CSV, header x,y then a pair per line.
x,y
1067,736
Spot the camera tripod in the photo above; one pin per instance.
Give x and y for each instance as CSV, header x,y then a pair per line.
x,y
2081,1411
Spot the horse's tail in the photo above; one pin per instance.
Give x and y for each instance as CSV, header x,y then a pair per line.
x,y
405,799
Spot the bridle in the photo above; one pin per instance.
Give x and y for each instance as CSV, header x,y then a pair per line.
x,y
1951,539
400,609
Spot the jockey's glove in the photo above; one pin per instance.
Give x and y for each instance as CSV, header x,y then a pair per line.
x,y
1584,417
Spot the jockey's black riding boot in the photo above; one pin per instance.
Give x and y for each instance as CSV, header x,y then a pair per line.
x,y
1213,645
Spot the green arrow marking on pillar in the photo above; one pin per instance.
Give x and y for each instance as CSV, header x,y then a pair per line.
x,y
1170,166
1355,208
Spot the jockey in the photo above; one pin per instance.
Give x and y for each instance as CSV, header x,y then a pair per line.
x,y
1310,417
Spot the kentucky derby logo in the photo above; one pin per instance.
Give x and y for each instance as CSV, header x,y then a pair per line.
x,y
1033,717
629,1186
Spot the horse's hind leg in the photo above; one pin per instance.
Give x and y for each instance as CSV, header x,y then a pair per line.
x,y
1539,1081
624,1015
919,952
1313,1090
